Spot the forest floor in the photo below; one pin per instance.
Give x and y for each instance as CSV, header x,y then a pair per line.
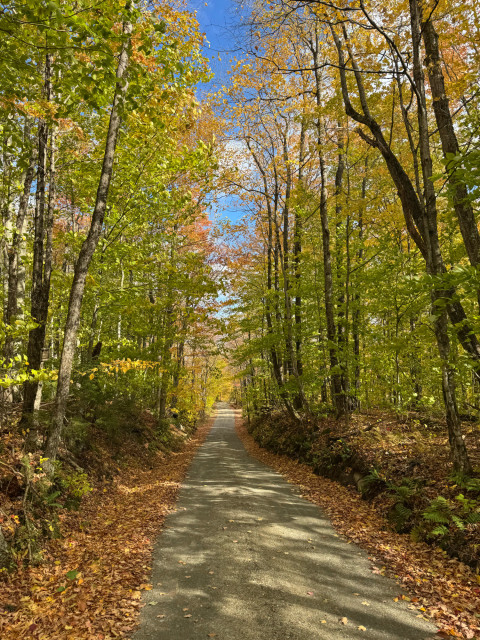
x,y
90,582
444,589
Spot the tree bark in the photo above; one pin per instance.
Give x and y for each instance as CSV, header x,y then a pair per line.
x,y
435,263
15,270
357,297
421,222
272,308
42,255
336,381
462,205
85,256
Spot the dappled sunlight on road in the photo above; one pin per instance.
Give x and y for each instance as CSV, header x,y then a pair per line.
x,y
245,557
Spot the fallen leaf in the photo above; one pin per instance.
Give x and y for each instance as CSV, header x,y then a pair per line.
x,y
71,575
362,628
344,620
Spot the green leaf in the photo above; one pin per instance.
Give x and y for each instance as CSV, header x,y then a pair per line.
x,y
71,575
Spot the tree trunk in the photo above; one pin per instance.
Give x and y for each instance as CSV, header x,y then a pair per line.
x,y
15,269
434,261
4,550
85,256
42,256
448,138
357,298
420,221
272,308
336,381
341,337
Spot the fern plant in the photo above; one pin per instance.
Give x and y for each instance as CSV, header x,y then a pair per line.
x,y
439,513
472,485
405,495
443,516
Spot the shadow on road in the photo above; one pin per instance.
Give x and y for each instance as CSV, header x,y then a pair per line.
x,y
245,557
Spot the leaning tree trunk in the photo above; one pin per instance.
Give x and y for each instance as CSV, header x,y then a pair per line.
x,y
434,259
85,256
421,224
450,147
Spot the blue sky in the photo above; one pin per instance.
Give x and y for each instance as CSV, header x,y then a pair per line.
x,y
217,19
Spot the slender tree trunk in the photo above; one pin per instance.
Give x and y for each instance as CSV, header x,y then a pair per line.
x,y
168,338
341,315
179,361
15,269
272,306
85,256
336,381
42,258
298,398
297,253
93,329
357,297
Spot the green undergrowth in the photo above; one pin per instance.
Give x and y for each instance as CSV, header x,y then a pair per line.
x,y
407,478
